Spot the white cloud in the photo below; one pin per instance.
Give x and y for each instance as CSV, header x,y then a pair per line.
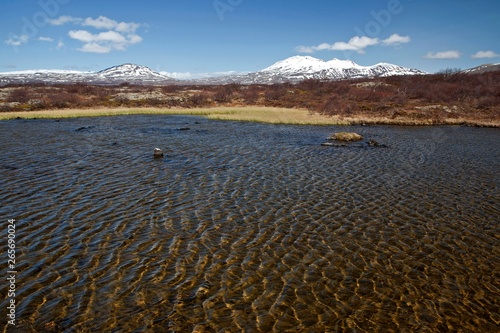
x,y
127,27
81,35
61,20
118,35
102,22
443,55
485,54
105,23
103,42
134,39
93,47
17,40
305,49
45,39
60,45
356,43
396,39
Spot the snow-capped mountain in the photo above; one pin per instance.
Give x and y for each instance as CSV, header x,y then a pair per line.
x,y
306,67
131,72
300,68
126,73
306,64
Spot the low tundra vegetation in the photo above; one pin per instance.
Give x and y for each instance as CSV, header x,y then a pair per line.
x,y
427,99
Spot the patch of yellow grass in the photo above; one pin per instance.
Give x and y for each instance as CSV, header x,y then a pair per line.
x,y
256,114
101,112
274,116
244,113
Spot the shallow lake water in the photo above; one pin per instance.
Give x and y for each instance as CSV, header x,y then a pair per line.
x,y
246,227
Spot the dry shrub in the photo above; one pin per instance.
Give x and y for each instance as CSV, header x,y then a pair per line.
x,y
274,92
226,93
485,102
171,89
251,94
62,100
337,105
198,100
19,95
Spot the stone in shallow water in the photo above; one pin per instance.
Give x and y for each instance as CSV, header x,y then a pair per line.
x,y
373,143
346,136
157,152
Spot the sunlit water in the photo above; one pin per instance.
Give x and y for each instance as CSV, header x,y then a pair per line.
x,y
246,227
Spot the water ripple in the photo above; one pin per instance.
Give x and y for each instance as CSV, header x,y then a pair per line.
x,y
251,227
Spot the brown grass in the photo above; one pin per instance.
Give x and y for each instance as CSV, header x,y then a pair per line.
x,y
255,114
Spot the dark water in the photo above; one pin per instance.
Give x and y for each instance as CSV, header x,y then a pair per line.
x,y
247,227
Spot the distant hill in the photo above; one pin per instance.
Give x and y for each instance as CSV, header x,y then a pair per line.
x,y
482,69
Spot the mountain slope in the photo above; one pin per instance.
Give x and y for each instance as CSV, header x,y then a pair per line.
x,y
482,69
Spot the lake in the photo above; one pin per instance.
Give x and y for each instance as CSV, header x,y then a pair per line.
x,y
248,227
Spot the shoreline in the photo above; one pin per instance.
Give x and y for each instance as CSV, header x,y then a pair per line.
x,y
270,115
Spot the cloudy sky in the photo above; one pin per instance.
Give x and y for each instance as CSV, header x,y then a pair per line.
x,y
194,37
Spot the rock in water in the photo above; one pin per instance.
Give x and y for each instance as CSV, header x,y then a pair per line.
x,y
346,136
373,143
157,152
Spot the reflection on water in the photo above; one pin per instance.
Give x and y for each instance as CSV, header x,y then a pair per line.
x,y
248,227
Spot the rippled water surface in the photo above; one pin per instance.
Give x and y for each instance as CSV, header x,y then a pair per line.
x,y
246,227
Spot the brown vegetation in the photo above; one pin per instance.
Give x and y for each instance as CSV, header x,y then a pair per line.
x,y
429,99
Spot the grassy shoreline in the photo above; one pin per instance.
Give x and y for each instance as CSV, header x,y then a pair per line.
x,y
271,115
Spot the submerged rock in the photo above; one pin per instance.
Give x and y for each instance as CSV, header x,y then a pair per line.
x,y
373,143
157,152
84,128
353,144
331,144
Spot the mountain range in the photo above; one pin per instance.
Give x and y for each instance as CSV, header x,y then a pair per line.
x,y
126,73
292,69
299,68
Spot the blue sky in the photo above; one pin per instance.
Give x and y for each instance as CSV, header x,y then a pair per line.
x,y
193,37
